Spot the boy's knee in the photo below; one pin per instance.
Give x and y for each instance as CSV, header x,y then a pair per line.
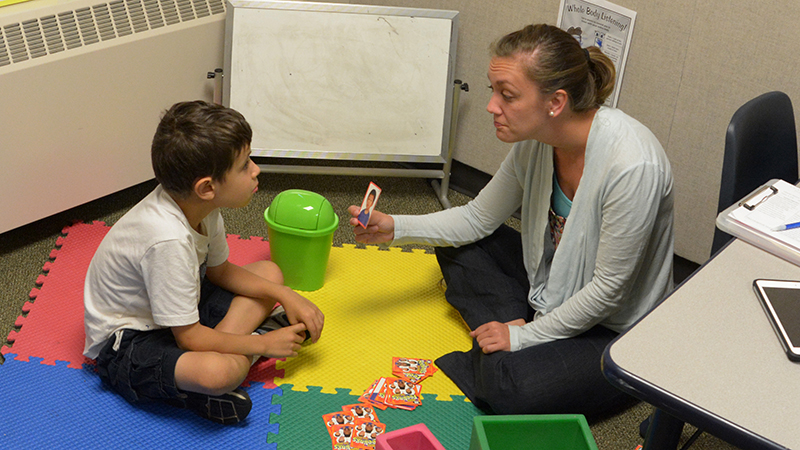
x,y
231,373
268,270
225,374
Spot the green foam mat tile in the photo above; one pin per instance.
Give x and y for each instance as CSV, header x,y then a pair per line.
x,y
301,424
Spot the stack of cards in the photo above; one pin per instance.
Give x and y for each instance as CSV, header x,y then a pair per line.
x,y
403,390
392,392
413,370
357,426
354,427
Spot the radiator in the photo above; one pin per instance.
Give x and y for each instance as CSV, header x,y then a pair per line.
x,y
82,87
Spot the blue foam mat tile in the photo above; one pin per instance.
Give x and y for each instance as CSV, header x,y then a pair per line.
x,y
59,407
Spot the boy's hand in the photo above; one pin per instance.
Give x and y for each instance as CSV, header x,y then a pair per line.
x,y
283,342
300,310
380,228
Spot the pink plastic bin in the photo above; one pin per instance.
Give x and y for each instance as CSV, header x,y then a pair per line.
x,y
417,437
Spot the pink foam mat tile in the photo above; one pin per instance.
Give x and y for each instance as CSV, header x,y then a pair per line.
x,y
246,251
264,371
51,327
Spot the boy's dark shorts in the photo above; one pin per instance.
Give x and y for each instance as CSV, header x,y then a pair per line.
x,y
143,366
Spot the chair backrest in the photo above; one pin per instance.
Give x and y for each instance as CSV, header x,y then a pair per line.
x,y
760,144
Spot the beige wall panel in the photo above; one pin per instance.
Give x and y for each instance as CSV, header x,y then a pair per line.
x,y
735,53
653,72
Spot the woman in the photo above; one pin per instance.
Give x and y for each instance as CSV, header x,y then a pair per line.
x,y
595,249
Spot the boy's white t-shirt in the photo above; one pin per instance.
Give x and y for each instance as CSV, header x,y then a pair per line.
x,y
147,271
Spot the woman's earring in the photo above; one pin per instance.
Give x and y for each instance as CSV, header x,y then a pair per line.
x,y
552,114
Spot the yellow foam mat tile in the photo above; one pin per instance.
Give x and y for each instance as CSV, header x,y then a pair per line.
x,y
378,304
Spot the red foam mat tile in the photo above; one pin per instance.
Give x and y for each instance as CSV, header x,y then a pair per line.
x,y
53,327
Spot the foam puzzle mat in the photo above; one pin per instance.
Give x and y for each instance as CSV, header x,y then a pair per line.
x,y
378,304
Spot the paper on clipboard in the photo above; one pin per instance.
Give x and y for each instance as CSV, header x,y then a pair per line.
x,y
756,217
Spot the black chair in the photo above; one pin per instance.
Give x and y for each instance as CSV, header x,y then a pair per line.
x,y
760,144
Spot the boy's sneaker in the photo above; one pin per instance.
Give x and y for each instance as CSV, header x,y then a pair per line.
x,y
226,409
277,319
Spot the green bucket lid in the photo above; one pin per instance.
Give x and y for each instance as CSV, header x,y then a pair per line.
x,y
300,212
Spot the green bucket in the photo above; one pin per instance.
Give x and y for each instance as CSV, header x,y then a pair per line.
x,y
532,432
300,226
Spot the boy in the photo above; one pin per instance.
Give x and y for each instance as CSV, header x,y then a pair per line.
x,y
167,316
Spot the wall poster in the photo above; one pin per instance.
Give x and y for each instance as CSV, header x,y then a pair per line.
x,y
601,24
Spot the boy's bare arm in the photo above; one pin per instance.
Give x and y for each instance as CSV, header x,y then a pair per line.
x,y
243,282
281,343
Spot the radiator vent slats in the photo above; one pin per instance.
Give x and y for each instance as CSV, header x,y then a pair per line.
x,y
16,43
120,16
217,6
4,58
138,20
52,37
105,27
72,29
69,28
185,10
87,26
170,12
33,35
200,8
155,18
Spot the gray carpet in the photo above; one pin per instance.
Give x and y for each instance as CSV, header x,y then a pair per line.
x,y
24,251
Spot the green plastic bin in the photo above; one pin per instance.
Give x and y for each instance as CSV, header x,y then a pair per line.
x,y
532,432
300,226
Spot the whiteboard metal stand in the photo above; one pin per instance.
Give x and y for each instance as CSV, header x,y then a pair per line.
x,y
441,190
216,75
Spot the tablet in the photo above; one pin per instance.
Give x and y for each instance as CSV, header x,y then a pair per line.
x,y
781,302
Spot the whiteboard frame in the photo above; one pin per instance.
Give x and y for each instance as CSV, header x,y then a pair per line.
x,y
443,156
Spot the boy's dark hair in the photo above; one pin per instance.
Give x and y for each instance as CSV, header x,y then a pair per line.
x,y
195,140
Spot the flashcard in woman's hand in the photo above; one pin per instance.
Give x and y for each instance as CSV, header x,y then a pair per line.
x,y
368,204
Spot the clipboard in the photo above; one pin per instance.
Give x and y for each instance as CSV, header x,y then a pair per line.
x,y
755,218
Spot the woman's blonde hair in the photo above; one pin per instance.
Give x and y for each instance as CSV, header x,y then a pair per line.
x,y
557,61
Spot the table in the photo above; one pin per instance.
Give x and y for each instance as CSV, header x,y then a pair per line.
x,y
708,355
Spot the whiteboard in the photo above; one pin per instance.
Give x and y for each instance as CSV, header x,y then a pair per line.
x,y
338,81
